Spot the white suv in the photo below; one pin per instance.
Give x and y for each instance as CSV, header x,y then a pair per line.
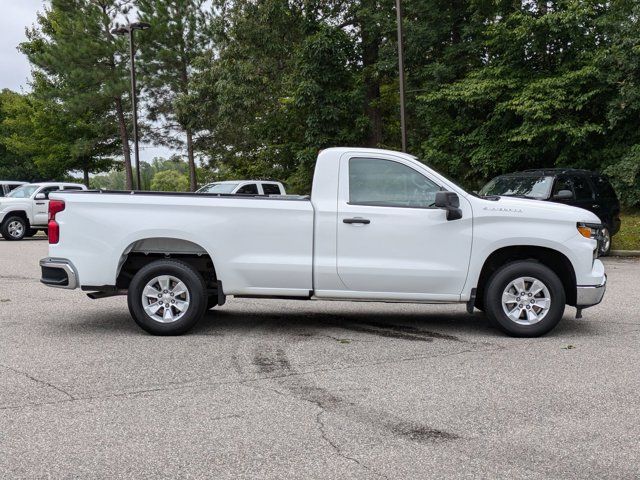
x,y
25,210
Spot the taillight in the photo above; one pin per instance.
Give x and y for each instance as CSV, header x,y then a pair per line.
x,y
55,206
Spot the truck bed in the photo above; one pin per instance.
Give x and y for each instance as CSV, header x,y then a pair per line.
x,y
259,245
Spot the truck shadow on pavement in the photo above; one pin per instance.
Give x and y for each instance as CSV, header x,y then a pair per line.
x,y
17,242
412,327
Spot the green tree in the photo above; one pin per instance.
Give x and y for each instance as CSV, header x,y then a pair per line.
x,y
13,165
548,88
58,142
169,181
179,34
79,64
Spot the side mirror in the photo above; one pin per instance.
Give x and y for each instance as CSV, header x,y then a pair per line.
x,y
450,202
41,196
563,195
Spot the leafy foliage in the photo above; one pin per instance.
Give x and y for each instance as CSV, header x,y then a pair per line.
x,y
257,88
169,181
168,53
79,80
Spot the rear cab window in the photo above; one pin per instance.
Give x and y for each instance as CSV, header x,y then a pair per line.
x,y
271,189
603,188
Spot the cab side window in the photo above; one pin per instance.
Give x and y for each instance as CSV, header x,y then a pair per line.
x,y
582,188
249,189
48,190
562,183
386,183
72,188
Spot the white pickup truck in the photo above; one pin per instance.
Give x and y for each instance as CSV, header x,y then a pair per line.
x,y
24,210
379,226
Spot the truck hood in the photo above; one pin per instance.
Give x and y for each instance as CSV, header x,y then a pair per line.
x,y
529,208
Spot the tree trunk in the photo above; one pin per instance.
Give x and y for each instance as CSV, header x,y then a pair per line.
x,y
370,50
193,179
124,135
85,172
126,151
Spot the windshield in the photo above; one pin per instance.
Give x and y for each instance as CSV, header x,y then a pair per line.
x,y
23,192
218,188
528,186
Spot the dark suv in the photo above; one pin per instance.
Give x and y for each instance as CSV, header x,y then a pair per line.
x,y
579,188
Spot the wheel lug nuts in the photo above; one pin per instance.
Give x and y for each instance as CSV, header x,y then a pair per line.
x,y
171,294
518,299
166,291
166,305
528,307
520,305
530,294
173,301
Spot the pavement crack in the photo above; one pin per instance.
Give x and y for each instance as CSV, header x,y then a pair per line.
x,y
336,448
41,382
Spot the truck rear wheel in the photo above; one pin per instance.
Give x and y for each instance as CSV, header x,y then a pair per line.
x,y
14,228
524,299
167,297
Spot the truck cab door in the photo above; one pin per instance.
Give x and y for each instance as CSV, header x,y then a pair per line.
x,y
41,206
392,242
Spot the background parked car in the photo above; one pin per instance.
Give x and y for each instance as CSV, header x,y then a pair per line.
x,y
25,210
244,187
579,188
7,185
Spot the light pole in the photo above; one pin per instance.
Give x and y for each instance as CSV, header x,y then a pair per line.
x,y
128,30
403,124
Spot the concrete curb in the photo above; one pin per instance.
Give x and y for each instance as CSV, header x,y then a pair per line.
x,y
624,253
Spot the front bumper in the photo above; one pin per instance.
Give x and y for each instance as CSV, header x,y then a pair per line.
x,y
590,295
58,273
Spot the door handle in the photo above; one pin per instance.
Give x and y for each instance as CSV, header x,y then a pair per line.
x,y
363,221
39,203
596,206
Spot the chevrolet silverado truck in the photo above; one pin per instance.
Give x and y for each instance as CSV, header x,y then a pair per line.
x,y
379,226
25,210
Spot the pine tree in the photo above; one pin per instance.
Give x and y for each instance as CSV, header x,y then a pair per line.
x,y
78,63
179,35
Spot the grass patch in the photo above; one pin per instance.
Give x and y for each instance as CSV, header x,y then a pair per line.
x,y
628,238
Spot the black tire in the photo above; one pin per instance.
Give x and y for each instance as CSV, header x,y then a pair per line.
x,y
197,294
499,282
30,233
9,231
605,244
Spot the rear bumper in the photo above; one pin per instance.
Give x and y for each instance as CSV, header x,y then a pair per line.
x,y
590,295
58,273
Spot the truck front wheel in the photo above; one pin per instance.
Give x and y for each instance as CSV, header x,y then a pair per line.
x,y
14,228
167,297
524,299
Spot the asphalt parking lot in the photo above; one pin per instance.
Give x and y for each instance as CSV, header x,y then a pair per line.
x,y
283,389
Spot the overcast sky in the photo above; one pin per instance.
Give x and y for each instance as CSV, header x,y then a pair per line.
x,y
15,16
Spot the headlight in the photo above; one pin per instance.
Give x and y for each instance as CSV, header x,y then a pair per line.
x,y
590,230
